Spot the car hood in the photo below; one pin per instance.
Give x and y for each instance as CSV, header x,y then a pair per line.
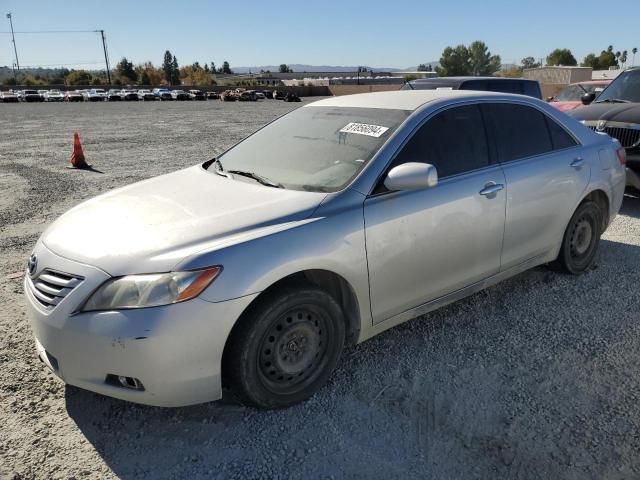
x,y
618,112
152,225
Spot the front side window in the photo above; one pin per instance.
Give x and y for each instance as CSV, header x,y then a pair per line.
x,y
453,141
520,131
319,149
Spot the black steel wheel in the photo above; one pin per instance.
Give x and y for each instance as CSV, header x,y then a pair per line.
x,y
581,239
285,347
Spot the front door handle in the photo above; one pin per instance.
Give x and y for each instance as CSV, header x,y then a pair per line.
x,y
491,189
577,162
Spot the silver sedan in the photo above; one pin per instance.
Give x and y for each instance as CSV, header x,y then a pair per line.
x,y
328,226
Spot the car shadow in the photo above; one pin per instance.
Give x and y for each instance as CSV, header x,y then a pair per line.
x,y
631,204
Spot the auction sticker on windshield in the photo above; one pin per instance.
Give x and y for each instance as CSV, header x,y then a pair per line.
x,y
364,129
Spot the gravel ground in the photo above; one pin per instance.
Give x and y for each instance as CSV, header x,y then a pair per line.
x,y
538,377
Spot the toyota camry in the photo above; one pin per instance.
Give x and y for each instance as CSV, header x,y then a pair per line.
x,y
331,224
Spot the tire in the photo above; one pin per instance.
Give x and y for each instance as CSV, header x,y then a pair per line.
x,y
581,240
285,347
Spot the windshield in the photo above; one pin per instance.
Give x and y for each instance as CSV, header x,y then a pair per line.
x,y
574,93
316,149
625,87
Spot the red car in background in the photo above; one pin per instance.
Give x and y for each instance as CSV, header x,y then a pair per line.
x,y
571,96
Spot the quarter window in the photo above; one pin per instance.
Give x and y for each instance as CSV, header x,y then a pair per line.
x,y
520,131
453,141
559,136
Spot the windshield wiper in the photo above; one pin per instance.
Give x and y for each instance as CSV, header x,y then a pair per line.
x,y
257,178
613,100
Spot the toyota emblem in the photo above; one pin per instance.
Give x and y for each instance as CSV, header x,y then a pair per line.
x,y
32,264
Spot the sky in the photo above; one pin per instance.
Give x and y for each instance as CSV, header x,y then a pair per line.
x,y
374,33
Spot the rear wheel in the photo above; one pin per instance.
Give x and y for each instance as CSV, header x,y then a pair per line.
x,y
581,239
285,347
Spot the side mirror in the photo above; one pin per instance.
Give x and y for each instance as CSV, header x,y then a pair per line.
x,y
550,99
411,176
587,98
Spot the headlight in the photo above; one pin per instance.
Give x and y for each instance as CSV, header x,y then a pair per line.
x,y
152,290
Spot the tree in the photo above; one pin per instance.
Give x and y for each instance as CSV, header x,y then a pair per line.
x,y
590,61
634,51
143,78
79,77
623,58
167,66
206,67
284,68
125,70
213,67
226,68
481,60
454,61
175,72
562,56
194,76
607,59
425,67
529,62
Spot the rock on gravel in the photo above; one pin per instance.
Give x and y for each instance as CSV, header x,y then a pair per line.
x,y
538,377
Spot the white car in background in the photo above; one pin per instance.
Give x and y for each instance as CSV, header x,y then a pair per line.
x,y
9,97
146,95
95,95
53,96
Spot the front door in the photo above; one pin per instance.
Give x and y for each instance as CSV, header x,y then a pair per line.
x,y
424,244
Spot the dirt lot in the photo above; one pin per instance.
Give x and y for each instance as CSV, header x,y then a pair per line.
x,y
538,377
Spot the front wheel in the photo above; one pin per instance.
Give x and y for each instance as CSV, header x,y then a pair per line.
x,y
581,239
285,347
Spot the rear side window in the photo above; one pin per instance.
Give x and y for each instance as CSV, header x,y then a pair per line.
x,y
520,131
531,89
453,141
559,137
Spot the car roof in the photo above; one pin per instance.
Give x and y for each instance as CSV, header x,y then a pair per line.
x,y
403,99
593,82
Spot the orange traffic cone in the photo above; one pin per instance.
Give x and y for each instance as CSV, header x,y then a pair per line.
x,y
77,157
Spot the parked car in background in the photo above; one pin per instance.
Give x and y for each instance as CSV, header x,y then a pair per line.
x,y
247,96
616,112
213,95
267,93
180,95
229,96
291,97
277,95
571,96
130,95
197,95
520,86
95,95
42,93
9,97
30,96
73,96
114,95
259,95
331,224
146,95
53,96
162,93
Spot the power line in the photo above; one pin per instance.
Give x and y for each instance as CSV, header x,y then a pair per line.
x,y
52,31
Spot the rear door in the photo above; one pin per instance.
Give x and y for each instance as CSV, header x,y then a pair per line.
x,y
545,175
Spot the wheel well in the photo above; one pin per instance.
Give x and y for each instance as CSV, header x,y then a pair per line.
x,y
330,282
602,200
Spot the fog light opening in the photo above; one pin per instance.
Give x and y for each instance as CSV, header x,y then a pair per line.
x,y
130,383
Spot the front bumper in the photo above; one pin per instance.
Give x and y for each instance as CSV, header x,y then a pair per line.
x,y
174,350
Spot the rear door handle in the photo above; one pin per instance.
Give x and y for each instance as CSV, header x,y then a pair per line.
x,y
491,188
577,162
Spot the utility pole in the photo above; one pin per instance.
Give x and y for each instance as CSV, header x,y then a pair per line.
x,y
13,39
106,56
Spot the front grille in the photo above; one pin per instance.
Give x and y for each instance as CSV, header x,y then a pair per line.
x,y
50,287
628,137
